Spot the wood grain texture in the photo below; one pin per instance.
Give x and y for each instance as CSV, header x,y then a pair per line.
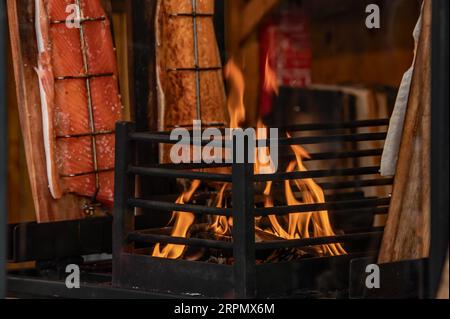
x,y
368,57
443,289
407,233
20,202
24,53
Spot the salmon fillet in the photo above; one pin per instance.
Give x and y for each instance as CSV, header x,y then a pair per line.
x,y
176,50
78,65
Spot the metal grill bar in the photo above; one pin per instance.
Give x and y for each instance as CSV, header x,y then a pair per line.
x,y
207,195
336,126
317,126
81,20
149,238
192,15
357,183
96,172
171,207
298,243
361,211
331,138
196,60
226,178
165,139
281,177
85,134
90,104
83,76
341,155
195,69
314,157
160,172
330,206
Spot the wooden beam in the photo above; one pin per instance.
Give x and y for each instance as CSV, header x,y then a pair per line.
x,y
253,14
407,233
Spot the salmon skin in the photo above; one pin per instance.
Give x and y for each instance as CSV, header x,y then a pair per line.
x,y
80,99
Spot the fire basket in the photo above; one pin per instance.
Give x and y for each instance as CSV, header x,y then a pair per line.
x,y
247,268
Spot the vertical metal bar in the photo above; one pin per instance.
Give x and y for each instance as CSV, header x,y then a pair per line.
x,y
124,190
3,151
89,101
243,225
196,60
439,144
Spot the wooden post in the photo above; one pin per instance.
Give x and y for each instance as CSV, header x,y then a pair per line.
x,y
407,233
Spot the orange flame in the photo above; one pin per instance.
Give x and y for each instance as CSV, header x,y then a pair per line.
x,y
220,224
270,79
296,225
235,100
182,223
299,224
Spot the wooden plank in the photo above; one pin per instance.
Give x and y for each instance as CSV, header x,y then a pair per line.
x,y
443,289
20,201
371,68
407,234
24,53
368,57
253,14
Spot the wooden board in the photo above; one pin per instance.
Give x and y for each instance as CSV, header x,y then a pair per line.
x,y
24,54
407,233
443,289
368,57
20,202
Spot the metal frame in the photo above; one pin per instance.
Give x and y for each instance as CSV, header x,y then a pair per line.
x,y
244,279
58,240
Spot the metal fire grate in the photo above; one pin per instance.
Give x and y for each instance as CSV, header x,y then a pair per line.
x,y
135,268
